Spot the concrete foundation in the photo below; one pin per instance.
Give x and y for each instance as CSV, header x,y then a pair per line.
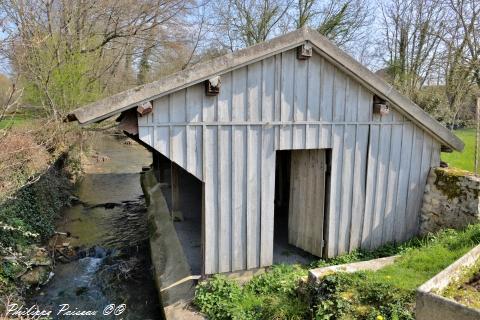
x,y
433,306
172,271
315,275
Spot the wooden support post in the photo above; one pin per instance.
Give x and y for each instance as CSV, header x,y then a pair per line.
x,y
155,161
175,180
162,164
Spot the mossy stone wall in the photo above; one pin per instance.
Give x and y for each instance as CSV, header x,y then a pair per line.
x,y
451,200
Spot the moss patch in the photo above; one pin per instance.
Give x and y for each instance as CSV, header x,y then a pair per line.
x,y
466,289
447,181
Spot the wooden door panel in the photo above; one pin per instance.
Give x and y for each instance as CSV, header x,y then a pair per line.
x,y
307,200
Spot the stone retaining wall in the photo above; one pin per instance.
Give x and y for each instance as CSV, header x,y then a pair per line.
x,y
451,200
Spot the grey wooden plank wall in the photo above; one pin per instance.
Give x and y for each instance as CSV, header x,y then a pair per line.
x,y
379,164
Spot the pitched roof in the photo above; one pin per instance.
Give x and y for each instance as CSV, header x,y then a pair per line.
x,y
127,99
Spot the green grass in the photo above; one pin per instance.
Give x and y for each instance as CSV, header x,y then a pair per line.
x,y
417,265
13,121
462,160
386,294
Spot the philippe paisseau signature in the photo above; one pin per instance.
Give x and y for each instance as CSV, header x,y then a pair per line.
x,y
65,310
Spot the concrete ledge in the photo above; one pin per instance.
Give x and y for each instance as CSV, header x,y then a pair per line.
x,y
433,306
245,275
174,281
314,275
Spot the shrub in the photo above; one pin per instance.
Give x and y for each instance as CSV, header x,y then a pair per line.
x,y
33,210
279,279
268,296
357,296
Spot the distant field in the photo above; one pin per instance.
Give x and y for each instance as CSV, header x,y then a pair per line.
x,y
464,160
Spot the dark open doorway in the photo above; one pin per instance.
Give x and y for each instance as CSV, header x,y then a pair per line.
x,y
301,194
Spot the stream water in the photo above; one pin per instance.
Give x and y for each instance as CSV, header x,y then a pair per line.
x,y
108,229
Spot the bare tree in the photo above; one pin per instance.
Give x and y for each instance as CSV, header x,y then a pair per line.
x,y
67,51
243,23
464,38
412,32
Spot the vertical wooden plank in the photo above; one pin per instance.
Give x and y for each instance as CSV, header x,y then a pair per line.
x,y
211,199
311,136
300,87
162,134
392,184
287,96
359,181
224,115
239,105
144,134
365,105
362,114
313,78
380,194
178,106
239,161
319,166
403,184
267,195
351,106
254,176
298,136
239,156
345,216
225,196
325,136
414,183
339,95
254,86
268,89
209,110
297,204
335,190
194,100
179,145
327,77
178,133
161,110
278,87
225,99
199,152
396,116
191,147
372,161
162,141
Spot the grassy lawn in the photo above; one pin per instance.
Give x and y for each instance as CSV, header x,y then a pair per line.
x,y
12,121
386,294
464,160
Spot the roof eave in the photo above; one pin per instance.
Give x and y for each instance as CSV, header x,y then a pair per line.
x,y
130,98
127,99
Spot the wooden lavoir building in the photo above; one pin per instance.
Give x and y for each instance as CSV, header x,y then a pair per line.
x,y
356,151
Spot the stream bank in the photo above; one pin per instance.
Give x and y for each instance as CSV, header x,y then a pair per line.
x,y
101,248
